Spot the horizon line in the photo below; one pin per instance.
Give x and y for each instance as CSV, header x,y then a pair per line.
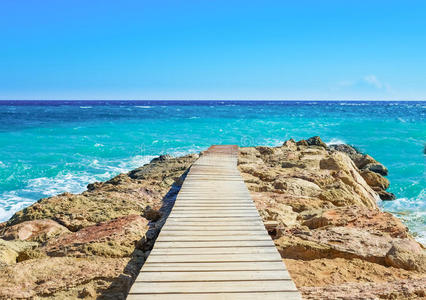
x,y
236,100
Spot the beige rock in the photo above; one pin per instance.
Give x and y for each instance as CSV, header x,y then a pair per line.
x,y
63,277
10,250
375,180
407,254
372,220
297,187
36,230
115,238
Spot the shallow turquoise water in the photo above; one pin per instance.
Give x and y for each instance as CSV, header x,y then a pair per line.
x,y
51,147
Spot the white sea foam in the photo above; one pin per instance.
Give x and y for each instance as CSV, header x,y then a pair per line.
x,y
335,141
98,145
353,104
10,203
143,106
85,107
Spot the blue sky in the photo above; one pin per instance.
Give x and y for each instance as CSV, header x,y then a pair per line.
x,y
212,49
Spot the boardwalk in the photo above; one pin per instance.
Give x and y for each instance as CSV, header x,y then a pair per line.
x,y
214,244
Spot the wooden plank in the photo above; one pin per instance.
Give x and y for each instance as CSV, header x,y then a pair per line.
x,y
217,266
214,219
225,250
213,287
209,223
222,296
212,276
200,227
249,257
188,238
212,232
213,244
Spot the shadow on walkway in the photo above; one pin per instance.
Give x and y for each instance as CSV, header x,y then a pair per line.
x,y
120,286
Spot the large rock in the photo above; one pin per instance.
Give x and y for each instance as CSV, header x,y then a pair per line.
x,y
36,230
345,170
316,141
405,289
372,220
297,186
351,242
407,255
375,180
362,161
67,278
10,250
115,238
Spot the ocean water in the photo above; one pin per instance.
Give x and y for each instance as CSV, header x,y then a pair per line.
x,y
49,147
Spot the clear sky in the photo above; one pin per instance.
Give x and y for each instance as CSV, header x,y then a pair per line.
x,y
212,49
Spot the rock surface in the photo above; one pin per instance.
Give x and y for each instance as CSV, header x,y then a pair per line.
x,y
90,245
322,200
336,242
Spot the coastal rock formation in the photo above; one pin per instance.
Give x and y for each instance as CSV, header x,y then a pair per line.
x,y
330,231
320,204
89,245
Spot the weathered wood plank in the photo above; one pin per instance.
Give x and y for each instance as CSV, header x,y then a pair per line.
x,y
225,250
213,244
250,257
220,296
217,266
213,287
213,276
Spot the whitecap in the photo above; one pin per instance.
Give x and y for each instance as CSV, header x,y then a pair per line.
x,y
335,141
85,107
143,106
98,145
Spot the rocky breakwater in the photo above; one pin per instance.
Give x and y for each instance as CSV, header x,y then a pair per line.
x,y
321,206
89,245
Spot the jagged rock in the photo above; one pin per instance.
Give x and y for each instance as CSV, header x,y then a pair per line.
x,y
363,162
63,277
10,250
115,238
351,242
377,168
94,186
406,254
161,158
372,220
349,150
375,180
302,143
397,289
297,187
265,150
152,214
316,141
386,196
36,230
337,223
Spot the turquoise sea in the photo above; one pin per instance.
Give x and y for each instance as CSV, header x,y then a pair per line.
x,y
49,147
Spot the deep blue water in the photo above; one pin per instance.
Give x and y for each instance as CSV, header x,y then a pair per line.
x,y
48,147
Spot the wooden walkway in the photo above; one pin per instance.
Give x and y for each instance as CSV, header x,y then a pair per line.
x,y
214,244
